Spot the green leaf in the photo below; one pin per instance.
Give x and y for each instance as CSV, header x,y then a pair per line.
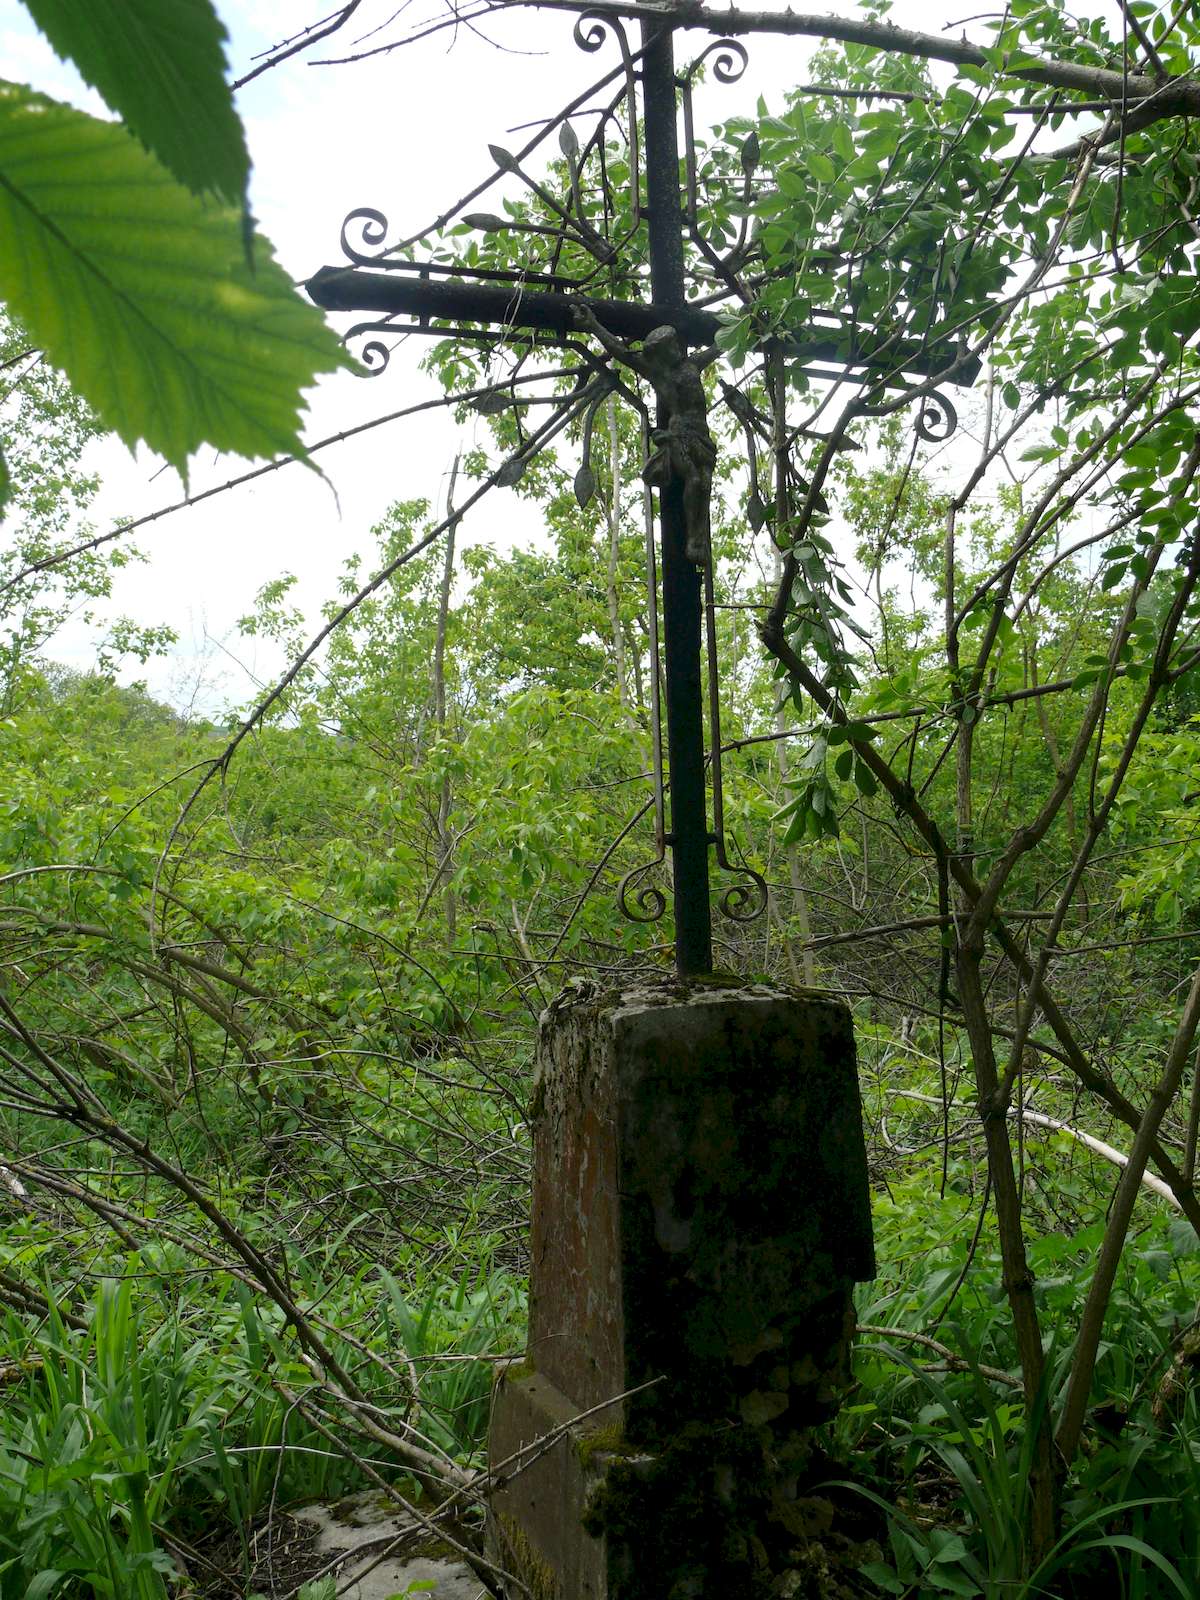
x,y
865,781
883,1575
796,828
1181,1238
821,167
43,1585
5,484
142,294
160,64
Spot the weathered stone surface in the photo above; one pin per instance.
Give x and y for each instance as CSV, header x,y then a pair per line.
x,y
537,1528
360,1529
700,1214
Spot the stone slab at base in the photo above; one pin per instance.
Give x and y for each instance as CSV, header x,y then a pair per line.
x,y
358,1529
700,1214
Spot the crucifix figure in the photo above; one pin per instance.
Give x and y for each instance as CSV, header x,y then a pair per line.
x,y
685,452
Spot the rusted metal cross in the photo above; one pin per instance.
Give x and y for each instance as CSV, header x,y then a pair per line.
x,y
544,306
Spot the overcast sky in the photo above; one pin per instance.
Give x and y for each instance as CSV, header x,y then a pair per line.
x,y
406,133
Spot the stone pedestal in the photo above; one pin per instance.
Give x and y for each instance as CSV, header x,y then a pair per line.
x,y
700,1214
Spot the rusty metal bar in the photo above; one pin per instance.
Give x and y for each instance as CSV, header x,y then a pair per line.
x,y
511,306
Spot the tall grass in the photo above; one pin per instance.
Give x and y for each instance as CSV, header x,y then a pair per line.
x,y
124,1439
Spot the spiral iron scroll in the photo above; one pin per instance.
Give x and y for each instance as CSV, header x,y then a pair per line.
x,y
371,227
743,902
937,418
374,355
730,60
592,29
649,903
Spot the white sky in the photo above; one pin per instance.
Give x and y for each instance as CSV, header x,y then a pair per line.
x,y
406,133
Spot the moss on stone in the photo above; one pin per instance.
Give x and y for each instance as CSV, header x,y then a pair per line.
x,y
688,1521
527,1563
609,1441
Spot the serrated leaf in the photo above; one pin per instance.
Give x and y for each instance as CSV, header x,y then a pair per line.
x,y
568,142
160,65
142,294
585,484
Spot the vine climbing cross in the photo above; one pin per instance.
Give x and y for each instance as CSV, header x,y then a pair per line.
x,y
677,333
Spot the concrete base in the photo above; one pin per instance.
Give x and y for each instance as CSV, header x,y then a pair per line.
x,y
700,1214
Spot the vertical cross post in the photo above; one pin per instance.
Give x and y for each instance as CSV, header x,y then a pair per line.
x,y
689,832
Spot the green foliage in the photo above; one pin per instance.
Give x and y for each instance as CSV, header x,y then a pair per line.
x,y
168,318
286,1019
160,65
44,428
443,1337
142,293
94,1435
951,1448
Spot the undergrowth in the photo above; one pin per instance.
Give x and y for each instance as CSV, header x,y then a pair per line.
x,y
937,1438
169,1406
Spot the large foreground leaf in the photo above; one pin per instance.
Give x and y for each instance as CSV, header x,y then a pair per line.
x,y
142,293
160,64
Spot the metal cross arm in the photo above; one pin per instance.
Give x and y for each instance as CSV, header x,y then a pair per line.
x,y
504,306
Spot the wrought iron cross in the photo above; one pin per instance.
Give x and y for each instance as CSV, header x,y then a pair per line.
x,y
539,307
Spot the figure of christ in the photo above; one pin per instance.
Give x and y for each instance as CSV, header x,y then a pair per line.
x,y
684,449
